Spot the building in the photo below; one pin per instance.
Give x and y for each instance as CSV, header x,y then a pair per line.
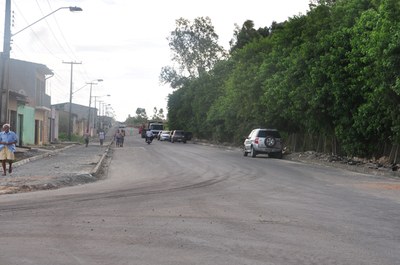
x,y
24,102
79,118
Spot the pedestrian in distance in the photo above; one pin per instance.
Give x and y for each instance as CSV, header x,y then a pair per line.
x,y
8,139
122,137
102,136
86,138
117,138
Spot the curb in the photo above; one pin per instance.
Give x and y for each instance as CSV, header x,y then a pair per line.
x,y
95,170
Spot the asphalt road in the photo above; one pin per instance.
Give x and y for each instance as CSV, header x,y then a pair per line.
x,y
185,204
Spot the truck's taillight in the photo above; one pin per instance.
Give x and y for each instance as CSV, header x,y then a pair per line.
x,y
256,140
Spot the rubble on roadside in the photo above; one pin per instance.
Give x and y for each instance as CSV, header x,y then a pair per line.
x,y
381,166
372,166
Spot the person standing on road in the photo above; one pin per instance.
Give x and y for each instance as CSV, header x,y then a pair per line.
x,y
117,138
101,137
8,139
86,138
122,137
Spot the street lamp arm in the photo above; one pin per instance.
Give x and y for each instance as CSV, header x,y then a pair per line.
x,y
71,8
89,83
79,89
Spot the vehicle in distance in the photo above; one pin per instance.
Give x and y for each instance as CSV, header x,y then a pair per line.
x,y
155,127
188,136
178,136
263,141
164,136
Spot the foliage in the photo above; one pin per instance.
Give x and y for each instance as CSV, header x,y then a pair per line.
x,y
140,118
333,72
195,49
246,34
63,137
158,114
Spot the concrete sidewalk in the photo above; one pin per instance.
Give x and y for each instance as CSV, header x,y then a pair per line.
x,y
75,164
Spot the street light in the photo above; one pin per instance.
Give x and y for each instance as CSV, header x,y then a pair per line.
x,y
107,116
95,106
7,28
90,101
6,54
102,114
71,8
95,99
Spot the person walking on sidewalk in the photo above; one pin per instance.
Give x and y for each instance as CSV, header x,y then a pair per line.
x,y
102,136
117,138
8,139
122,137
86,138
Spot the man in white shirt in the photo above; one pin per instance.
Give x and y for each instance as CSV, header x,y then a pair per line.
x,y
149,135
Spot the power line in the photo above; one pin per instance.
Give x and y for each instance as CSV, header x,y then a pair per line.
x,y
40,44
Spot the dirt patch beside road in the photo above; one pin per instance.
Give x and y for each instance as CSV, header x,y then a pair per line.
x,y
380,166
375,167
83,166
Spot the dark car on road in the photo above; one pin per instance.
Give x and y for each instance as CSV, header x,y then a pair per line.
x,y
188,136
178,136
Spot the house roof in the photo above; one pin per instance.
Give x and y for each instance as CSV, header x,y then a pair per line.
x,y
41,68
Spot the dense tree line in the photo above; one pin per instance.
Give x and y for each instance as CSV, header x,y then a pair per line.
x,y
333,72
141,117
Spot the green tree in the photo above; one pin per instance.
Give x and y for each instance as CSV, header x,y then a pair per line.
x,y
179,109
373,63
333,73
141,112
140,118
158,114
246,34
195,49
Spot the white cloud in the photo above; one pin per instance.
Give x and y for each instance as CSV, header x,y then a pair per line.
x,y
124,42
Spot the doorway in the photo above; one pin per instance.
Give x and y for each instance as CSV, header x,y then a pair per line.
x,y
20,129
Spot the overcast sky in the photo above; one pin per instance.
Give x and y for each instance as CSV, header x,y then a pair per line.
x,y
123,42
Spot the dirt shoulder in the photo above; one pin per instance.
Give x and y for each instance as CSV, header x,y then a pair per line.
x,y
376,167
380,166
77,165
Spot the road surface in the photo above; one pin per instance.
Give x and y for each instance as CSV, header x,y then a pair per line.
x,y
175,203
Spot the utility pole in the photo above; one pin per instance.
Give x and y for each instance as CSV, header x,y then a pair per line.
x,y
70,99
90,103
7,30
5,59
